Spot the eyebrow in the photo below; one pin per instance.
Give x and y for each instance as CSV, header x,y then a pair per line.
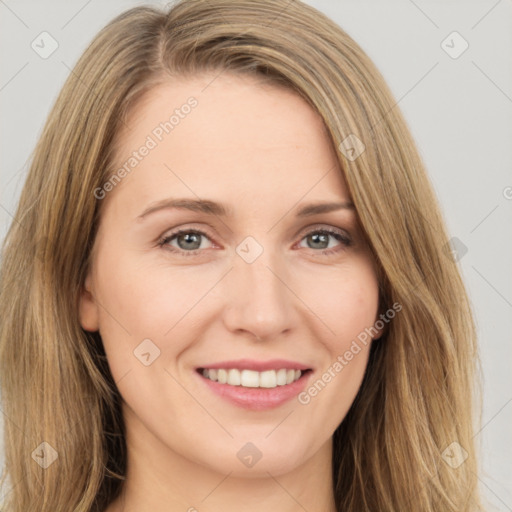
x,y
214,208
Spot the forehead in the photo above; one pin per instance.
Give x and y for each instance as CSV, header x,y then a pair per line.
x,y
229,129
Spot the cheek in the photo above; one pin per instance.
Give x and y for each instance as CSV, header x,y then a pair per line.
x,y
348,304
144,301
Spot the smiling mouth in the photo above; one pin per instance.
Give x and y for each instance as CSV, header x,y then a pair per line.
x,y
253,379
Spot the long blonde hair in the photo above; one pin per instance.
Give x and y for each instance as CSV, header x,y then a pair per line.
x,y
418,396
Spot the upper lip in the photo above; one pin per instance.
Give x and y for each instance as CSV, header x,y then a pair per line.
x,y
259,366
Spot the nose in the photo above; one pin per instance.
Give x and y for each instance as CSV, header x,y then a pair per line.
x,y
259,299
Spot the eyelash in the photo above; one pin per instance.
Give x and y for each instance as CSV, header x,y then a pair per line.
x,y
341,237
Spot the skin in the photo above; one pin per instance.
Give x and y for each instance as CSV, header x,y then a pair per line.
x,y
263,152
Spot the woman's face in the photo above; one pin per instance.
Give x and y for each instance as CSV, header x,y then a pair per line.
x,y
252,290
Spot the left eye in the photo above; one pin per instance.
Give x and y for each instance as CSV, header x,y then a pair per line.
x,y
321,236
189,241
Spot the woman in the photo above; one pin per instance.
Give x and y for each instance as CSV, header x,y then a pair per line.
x,y
254,368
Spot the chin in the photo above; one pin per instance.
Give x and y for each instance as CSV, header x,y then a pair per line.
x,y
257,460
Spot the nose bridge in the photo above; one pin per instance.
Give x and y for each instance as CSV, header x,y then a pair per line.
x,y
259,267
260,301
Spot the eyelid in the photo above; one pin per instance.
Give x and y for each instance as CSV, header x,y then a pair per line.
x,y
200,228
321,227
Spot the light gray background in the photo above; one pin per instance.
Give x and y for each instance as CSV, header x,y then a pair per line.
x,y
459,111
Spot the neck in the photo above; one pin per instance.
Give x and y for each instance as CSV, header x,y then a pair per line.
x,y
173,483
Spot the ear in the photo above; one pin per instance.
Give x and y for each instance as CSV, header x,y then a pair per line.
x,y
87,308
380,329
380,325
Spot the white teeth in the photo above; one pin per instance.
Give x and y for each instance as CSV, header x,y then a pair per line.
x,y
268,379
222,376
281,377
251,378
233,377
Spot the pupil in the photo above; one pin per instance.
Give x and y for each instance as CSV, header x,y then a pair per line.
x,y
188,237
316,236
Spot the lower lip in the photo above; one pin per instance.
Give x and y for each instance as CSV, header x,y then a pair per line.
x,y
257,399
